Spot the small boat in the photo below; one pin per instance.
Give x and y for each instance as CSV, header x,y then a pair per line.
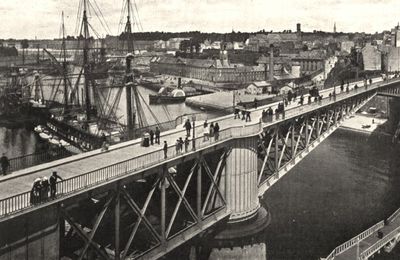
x,y
72,149
54,140
37,104
64,143
365,126
45,135
175,96
39,129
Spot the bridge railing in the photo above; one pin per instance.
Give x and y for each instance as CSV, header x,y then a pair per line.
x,y
67,186
382,242
33,159
394,215
346,245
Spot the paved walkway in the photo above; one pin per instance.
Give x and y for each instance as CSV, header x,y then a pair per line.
x,y
21,181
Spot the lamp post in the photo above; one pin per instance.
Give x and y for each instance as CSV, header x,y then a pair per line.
x,y
194,132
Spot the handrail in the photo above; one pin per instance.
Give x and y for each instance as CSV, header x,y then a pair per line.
x,y
65,187
33,159
375,247
394,215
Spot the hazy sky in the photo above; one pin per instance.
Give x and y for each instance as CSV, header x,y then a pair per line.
x,y
41,18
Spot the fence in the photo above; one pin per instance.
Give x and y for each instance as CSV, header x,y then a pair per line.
x,y
33,159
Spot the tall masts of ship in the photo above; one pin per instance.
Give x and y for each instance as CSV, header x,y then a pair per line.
x,y
128,28
64,66
130,117
86,65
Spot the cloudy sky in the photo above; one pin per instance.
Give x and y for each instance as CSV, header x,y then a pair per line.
x,y
41,18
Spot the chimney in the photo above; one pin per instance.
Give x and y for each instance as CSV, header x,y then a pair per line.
x,y
179,82
299,28
271,62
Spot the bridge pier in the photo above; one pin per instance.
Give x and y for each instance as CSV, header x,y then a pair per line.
x,y
35,235
242,236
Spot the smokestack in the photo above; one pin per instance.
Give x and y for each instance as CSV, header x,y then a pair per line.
x,y
179,82
271,62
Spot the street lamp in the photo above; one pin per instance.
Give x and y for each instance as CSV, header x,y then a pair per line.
x,y
194,132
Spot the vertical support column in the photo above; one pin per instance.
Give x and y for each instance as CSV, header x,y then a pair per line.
x,y
199,187
117,223
293,144
163,205
306,131
276,149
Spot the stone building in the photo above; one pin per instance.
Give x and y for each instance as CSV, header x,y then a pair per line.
x,y
372,58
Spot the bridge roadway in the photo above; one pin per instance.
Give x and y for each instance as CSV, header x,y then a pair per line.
x,y
368,242
21,181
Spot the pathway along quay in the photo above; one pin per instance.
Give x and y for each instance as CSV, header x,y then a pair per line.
x,y
128,164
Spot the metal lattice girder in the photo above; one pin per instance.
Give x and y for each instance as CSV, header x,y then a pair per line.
x,y
286,143
86,238
158,212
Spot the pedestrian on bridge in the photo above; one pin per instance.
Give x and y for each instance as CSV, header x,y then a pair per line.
x,y
347,89
5,163
45,189
186,144
165,148
206,131
309,99
53,184
151,133
236,113
211,130
216,131
177,147
255,103
36,191
188,127
370,81
157,134
248,118
301,100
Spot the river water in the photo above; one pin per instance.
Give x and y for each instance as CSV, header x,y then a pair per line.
x,y
347,184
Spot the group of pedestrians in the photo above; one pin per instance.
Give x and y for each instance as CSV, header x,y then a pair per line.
x,y
245,114
210,131
155,136
44,188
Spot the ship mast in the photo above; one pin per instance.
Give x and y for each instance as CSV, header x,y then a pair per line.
x,y
128,28
86,65
63,46
130,114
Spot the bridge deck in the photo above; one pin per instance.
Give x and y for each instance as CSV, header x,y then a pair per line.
x,y
21,181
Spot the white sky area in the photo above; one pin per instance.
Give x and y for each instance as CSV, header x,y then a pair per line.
x,y
42,18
